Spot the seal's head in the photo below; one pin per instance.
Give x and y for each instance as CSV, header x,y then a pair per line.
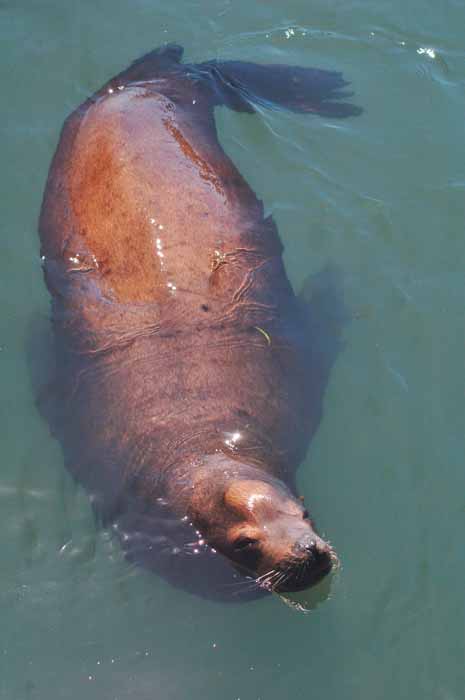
x,y
266,532
273,536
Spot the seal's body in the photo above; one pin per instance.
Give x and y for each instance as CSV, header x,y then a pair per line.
x,y
182,351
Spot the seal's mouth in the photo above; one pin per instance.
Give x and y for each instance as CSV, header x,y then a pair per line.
x,y
299,574
304,576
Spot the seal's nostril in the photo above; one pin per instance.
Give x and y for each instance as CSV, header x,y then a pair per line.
x,y
308,548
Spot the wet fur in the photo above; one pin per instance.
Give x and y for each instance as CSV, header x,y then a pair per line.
x,y
150,379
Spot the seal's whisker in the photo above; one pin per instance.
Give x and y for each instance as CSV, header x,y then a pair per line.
x,y
245,586
270,581
275,577
248,583
241,591
277,580
281,579
264,576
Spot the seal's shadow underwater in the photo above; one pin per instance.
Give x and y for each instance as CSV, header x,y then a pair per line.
x,y
188,376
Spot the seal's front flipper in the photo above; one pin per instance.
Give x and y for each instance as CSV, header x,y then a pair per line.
x,y
240,85
325,314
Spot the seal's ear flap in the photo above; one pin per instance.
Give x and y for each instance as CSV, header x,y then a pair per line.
x,y
247,496
236,497
241,495
254,499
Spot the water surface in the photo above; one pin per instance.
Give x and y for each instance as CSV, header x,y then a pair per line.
x,y
381,195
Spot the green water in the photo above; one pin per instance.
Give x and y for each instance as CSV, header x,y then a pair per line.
x,y
382,195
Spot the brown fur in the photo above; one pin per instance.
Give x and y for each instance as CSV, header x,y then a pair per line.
x,y
182,352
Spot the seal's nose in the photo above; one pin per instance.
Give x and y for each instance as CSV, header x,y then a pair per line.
x,y
312,547
311,561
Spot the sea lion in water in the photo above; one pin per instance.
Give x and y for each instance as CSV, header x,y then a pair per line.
x,y
183,357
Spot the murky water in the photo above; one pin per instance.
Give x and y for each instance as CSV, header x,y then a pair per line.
x,y
381,195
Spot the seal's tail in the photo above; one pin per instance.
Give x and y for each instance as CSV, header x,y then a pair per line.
x,y
242,85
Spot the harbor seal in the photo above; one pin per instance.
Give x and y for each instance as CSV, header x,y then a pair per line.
x,y
185,393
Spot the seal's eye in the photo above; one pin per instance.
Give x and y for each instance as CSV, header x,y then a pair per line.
x,y
305,514
244,543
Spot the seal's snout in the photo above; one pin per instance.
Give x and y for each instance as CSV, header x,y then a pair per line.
x,y
312,559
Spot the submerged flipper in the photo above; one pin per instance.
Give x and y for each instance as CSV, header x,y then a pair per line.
x,y
240,85
326,315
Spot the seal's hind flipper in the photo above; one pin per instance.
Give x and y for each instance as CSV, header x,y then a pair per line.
x,y
240,85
